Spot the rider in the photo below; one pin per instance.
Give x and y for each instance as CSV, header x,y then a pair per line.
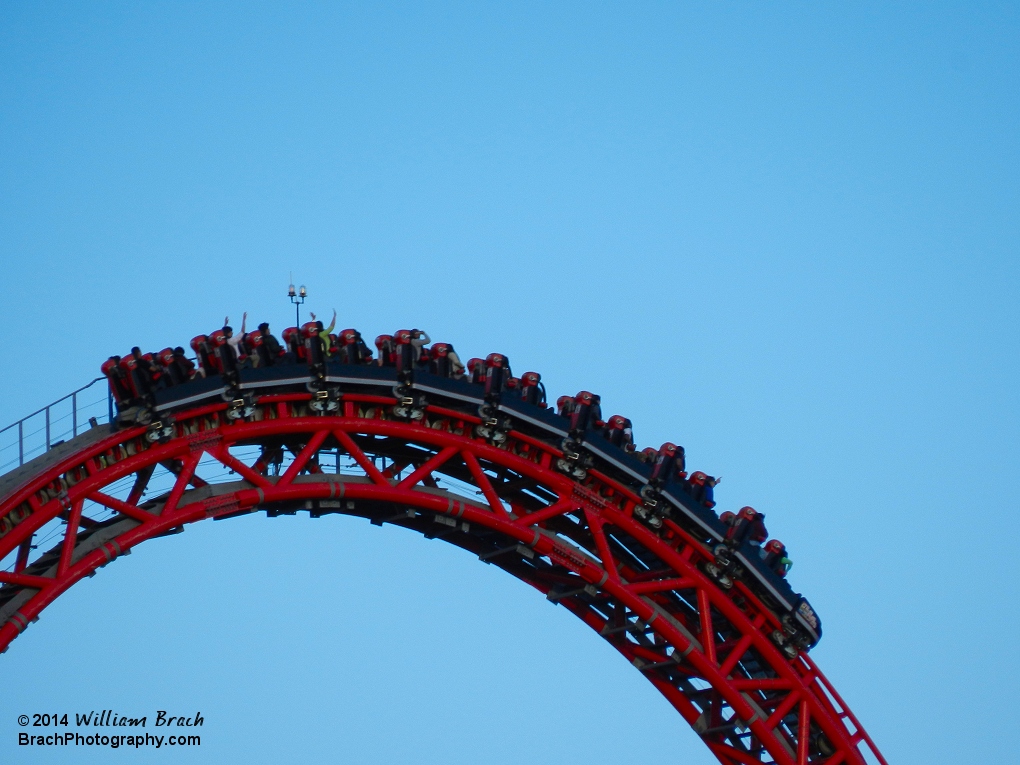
x,y
387,351
334,346
419,339
587,411
532,389
234,342
476,370
439,359
497,370
148,370
776,558
185,367
424,360
257,355
619,431
648,455
295,346
315,344
272,351
702,488
749,526
171,375
565,406
207,361
363,352
223,352
404,351
324,333
119,386
353,349
669,464
445,361
138,381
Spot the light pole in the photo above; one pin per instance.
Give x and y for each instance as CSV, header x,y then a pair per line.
x,y
297,298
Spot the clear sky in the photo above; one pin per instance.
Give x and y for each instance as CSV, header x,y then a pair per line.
x,y
784,235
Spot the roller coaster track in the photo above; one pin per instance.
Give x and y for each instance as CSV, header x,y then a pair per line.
x,y
579,537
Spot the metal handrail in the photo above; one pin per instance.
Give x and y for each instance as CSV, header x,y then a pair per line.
x,y
73,395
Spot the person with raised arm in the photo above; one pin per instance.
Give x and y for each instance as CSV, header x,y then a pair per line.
x,y
234,341
325,332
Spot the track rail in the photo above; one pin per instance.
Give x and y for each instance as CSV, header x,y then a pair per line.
x,y
709,651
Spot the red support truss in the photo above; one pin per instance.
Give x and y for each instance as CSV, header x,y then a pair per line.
x,y
708,650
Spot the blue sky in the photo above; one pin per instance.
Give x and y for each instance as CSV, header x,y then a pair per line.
x,y
783,235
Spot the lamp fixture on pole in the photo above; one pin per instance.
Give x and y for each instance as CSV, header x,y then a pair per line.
x,y
297,297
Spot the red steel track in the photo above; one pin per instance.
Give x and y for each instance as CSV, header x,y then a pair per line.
x,y
706,649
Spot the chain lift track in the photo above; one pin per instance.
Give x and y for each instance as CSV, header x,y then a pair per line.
x,y
580,536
